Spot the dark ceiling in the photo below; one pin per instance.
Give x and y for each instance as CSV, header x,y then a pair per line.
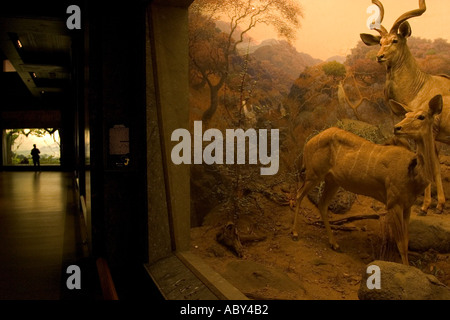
x,y
36,41
39,50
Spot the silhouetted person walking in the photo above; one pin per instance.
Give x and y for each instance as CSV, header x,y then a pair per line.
x,y
35,155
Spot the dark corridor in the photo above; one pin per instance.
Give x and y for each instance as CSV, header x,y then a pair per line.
x,y
116,206
82,82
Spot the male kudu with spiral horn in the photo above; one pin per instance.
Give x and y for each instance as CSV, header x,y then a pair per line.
x,y
409,85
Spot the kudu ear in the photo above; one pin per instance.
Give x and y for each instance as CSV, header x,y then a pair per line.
x,y
370,40
398,108
436,105
405,29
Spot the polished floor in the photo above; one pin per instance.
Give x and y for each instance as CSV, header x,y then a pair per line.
x,y
38,234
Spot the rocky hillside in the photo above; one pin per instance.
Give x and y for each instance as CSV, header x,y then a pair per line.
x,y
283,56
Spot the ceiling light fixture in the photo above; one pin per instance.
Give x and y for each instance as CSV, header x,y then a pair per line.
x,y
19,44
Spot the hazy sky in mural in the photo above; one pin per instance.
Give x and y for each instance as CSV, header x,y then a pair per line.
x,y
332,27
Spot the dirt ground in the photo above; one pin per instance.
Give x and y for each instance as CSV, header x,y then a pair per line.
x,y
276,267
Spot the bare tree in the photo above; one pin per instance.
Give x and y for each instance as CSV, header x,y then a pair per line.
x,y
211,50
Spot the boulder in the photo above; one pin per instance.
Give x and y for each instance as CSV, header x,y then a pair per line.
x,y
402,282
429,232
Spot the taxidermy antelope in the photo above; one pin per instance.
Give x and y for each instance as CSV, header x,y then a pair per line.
x,y
390,174
409,85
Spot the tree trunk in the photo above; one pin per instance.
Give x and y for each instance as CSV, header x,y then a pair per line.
x,y
214,103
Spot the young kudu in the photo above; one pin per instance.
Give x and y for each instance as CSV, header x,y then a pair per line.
x,y
409,85
390,174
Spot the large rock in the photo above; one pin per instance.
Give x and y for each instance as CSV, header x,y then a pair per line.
x,y
401,282
429,232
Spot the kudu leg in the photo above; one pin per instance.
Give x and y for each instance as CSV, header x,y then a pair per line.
x,y
440,191
406,219
398,220
302,192
426,201
440,194
329,190
405,240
